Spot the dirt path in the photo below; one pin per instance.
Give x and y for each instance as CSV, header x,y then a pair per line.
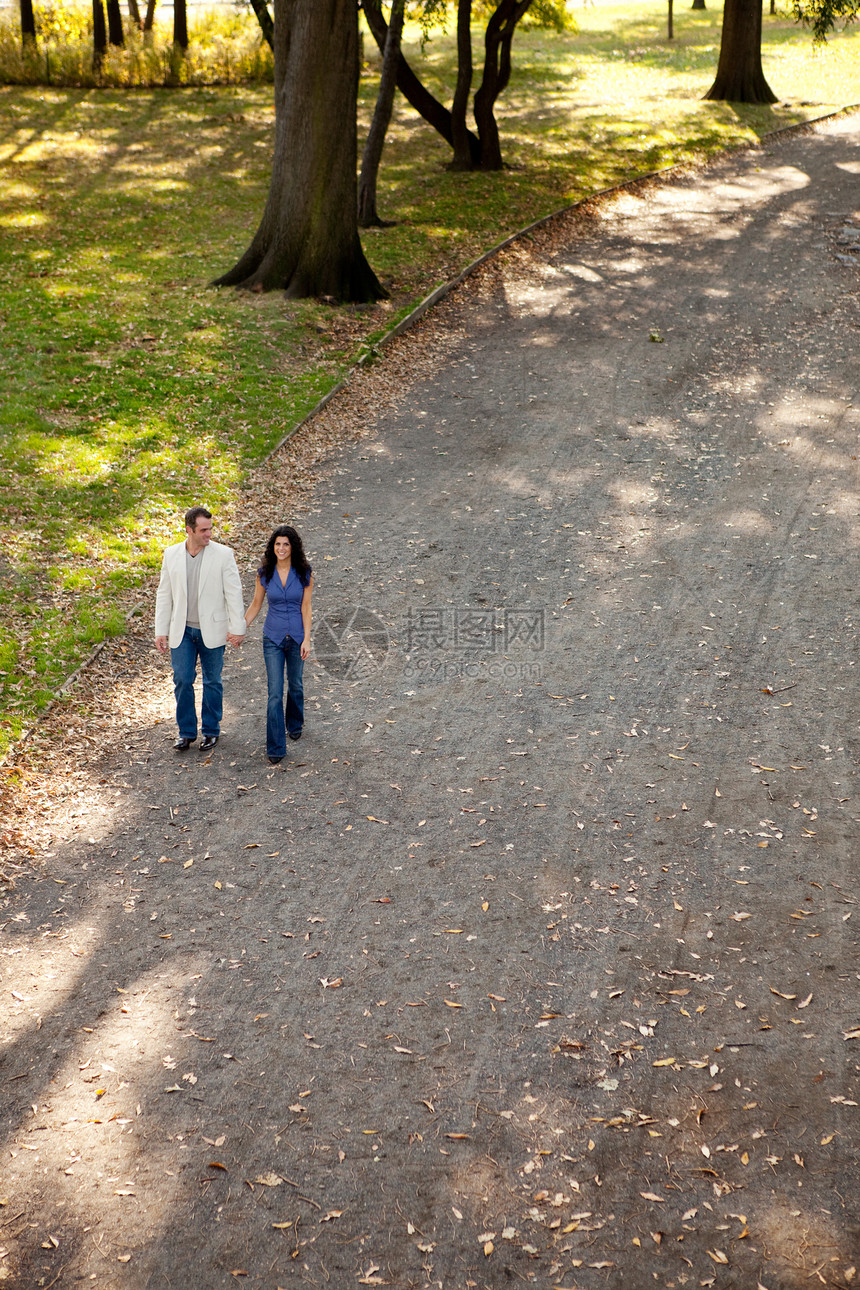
x,y
538,964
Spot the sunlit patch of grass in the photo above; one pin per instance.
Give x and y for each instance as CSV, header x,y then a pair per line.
x,y
132,389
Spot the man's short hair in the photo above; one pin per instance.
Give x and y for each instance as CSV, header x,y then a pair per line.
x,y
196,513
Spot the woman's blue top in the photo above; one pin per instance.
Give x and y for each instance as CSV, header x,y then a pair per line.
x,y
285,606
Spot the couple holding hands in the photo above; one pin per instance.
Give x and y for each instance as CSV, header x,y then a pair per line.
x,y
199,610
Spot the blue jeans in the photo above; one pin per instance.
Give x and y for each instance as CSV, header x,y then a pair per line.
x,y
184,659
281,720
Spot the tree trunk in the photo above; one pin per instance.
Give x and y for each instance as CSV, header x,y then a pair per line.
x,y
99,35
264,18
497,71
180,25
134,14
670,29
698,4
28,25
462,159
148,22
740,78
116,35
307,243
428,107
367,213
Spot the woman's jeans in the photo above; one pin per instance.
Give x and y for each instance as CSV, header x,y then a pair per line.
x,y
184,659
280,719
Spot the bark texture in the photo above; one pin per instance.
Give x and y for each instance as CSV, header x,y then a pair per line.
x,y
740,78
307,243
116,35
424,103
99,35
28,25
462,159
367,212
497,72
180,25
264,18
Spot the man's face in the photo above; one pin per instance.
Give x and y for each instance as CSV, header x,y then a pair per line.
x,y
201,535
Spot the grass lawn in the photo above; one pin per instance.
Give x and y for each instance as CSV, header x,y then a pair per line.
x,y
131,389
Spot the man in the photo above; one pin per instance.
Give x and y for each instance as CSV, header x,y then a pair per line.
x,y
198,609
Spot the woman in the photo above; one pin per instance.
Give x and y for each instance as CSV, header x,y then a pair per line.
x,y
287,579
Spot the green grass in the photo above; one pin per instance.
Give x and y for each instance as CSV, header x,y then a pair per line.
x,y
132,389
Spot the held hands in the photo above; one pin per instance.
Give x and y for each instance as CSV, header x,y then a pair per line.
x,y
234,640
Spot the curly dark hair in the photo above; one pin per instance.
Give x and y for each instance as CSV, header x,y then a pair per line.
x,y
298,558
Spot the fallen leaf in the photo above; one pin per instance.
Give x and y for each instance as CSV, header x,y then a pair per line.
x,y
269,1180
650,1195
216,1164
328,984
453,1005
458,1136
333,1213
739,918
665,1061
717,1256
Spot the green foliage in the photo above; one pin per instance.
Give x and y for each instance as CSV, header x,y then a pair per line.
x,y
822,16
226,48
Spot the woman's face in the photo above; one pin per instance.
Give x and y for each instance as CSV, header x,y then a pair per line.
x,y
282,548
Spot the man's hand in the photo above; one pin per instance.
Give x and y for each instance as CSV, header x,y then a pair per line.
x,y
161,644
234,640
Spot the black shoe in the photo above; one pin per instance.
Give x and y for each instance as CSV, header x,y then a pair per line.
x,y
295,735
208,743
274,761
182,744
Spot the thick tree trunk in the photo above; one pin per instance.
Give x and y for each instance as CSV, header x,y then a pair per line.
x,y
28,25
180,25
264,18
740,78
307,243
497,71
462,159
428,107
116,35
698,4
367,213
99,35
134,14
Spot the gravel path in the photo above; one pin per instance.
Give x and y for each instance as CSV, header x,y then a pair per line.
x,y
538,963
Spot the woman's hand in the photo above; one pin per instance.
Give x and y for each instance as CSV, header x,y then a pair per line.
x,y
305,648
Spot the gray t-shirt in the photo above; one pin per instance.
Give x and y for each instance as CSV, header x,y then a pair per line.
x,y
192,575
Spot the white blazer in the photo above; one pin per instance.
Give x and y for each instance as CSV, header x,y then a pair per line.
x,y
220,605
